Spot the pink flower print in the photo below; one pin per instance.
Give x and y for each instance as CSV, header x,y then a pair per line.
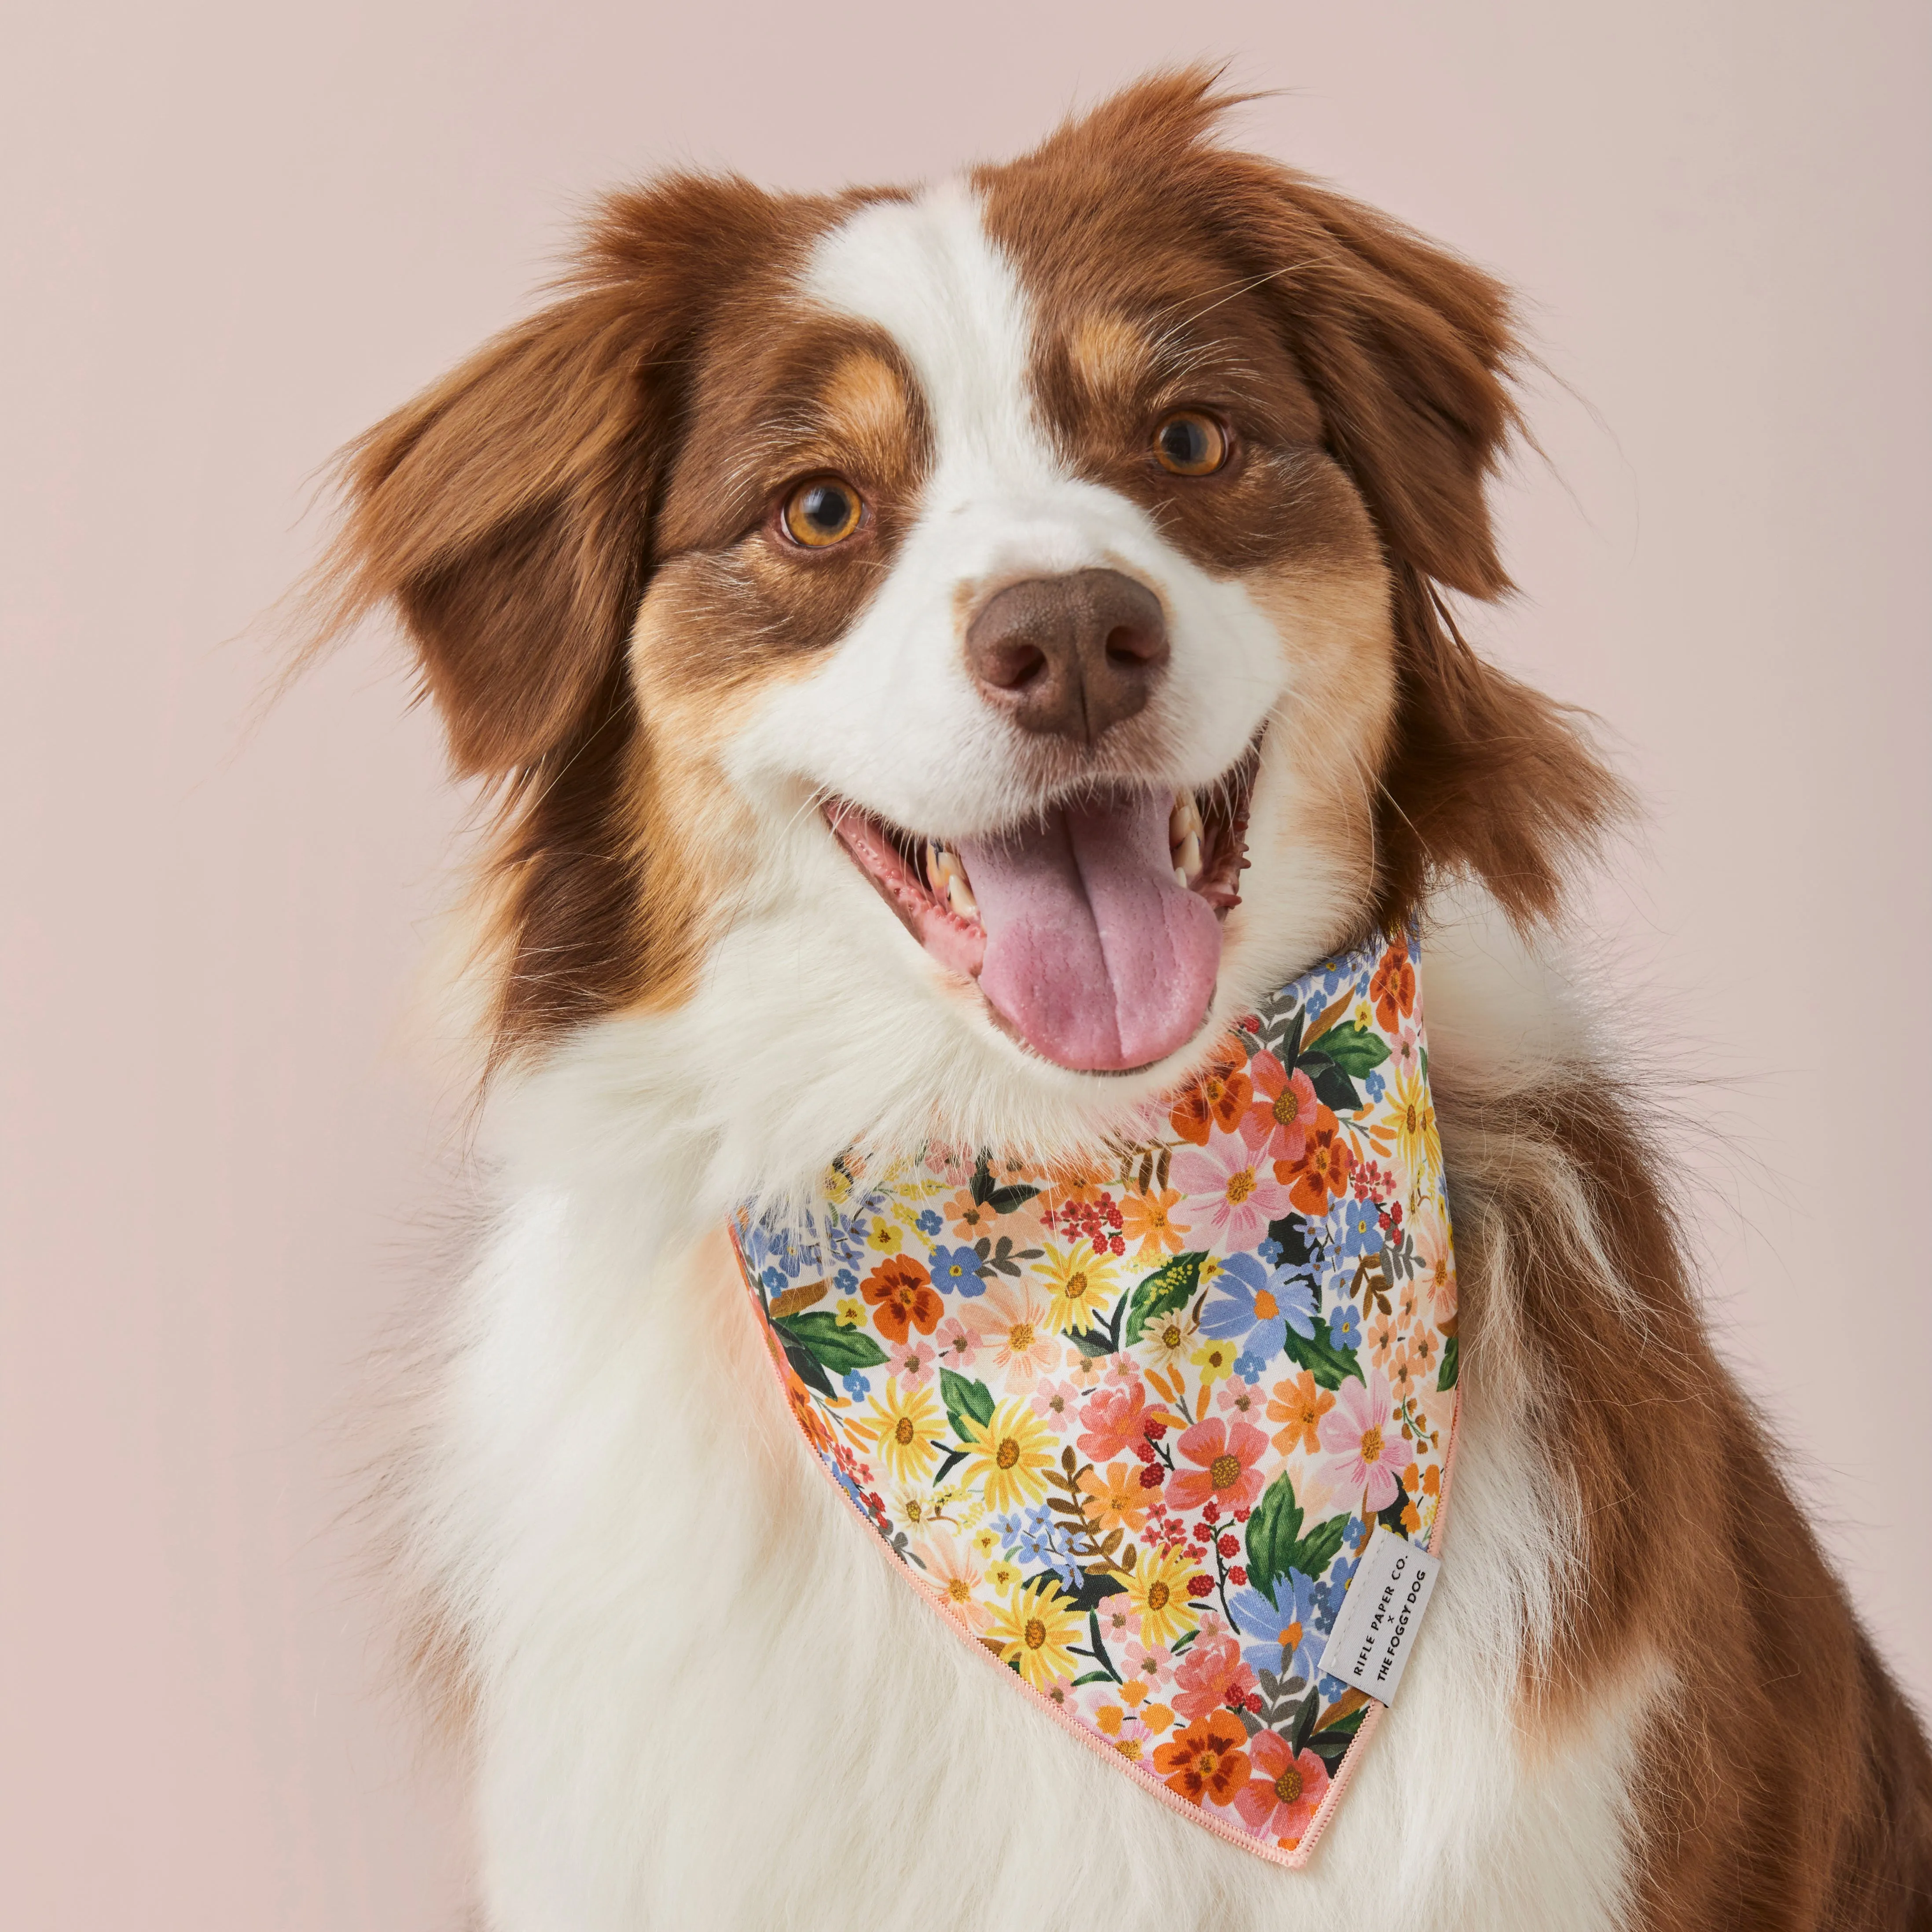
x,y
1011,1322
955,1345
1366,1452
1239,1398
1276,1126
1232,1194
1151,1664
1053,1403
1225,1454
1212,1677
1112,1421
1406,1055
914,1361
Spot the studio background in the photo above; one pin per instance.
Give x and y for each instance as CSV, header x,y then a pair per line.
x,y
235,235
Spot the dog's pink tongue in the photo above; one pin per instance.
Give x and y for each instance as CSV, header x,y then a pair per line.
x,y
1094,955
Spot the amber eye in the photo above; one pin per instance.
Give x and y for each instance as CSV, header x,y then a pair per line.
x,y
825,511
1190,444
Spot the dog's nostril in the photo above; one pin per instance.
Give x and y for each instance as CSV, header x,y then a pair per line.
x,y
1127,645
1008,666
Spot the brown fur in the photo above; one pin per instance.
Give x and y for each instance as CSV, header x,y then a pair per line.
x,y
1785,1782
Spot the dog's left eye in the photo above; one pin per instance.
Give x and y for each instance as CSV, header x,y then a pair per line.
x,y
825,511
1188,443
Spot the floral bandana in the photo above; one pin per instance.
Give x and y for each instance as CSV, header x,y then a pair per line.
x,y
1130,1422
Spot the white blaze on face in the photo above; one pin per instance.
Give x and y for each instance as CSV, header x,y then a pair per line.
x,y
1094,953
890,718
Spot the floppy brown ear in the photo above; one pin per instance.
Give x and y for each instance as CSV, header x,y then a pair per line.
x,y
505,513
1409,350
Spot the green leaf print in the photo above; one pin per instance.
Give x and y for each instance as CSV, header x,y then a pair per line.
x,y
965,1397
1169,1287
842,1350
1355,1050
1331,1366
1273,1530
1446,1378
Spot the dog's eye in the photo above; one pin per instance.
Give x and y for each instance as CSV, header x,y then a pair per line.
x,y
825,511
1189,444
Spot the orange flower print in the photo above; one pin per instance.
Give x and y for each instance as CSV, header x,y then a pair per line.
x,y
1207,1760
1320,1174
969,1219
1281,1797
1069,1181
903,1297
1115,1498
1403,1378
1218,1099
1393,989
1301,1404
1148,1220
1385,1333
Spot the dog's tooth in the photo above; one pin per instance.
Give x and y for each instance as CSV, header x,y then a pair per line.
x,y
1180,877
1187,859
964,903
1183,819
934,878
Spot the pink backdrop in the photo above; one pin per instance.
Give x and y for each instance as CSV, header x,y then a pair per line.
x,y
235,234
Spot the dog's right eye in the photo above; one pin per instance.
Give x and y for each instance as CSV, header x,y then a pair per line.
x,y
825,511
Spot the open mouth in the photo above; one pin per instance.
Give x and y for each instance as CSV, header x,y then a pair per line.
x,y
1094,930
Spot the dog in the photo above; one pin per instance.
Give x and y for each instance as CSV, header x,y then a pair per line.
x,y
805,547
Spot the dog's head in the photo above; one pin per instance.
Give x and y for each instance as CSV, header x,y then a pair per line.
x,y
1009,611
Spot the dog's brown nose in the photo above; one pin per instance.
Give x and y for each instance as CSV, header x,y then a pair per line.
x,y
1069,656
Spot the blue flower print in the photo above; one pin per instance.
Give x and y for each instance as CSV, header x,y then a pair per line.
x,y
1345,1327
928,1222
1355,1229
774,1280
1285,1618
1269,1252
846,1281
1249,1368
1257,1305
956,1271
857,1386
1035,1537
1374,1085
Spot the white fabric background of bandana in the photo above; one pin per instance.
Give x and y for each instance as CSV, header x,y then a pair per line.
x,y
1129,1422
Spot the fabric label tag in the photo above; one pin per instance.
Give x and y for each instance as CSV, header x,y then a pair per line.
x,y
1375,1629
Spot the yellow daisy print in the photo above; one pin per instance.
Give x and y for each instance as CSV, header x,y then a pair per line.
x,y
1418,1141
1036,1629
901,1425
1082,1286
1005,1458
1157,1588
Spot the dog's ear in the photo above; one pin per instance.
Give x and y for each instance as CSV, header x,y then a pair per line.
x,y
505,513
1409,350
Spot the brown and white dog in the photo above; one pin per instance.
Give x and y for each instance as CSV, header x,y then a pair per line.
x,y
805,539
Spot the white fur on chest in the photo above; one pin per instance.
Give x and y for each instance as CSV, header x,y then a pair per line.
x,y
707,1701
